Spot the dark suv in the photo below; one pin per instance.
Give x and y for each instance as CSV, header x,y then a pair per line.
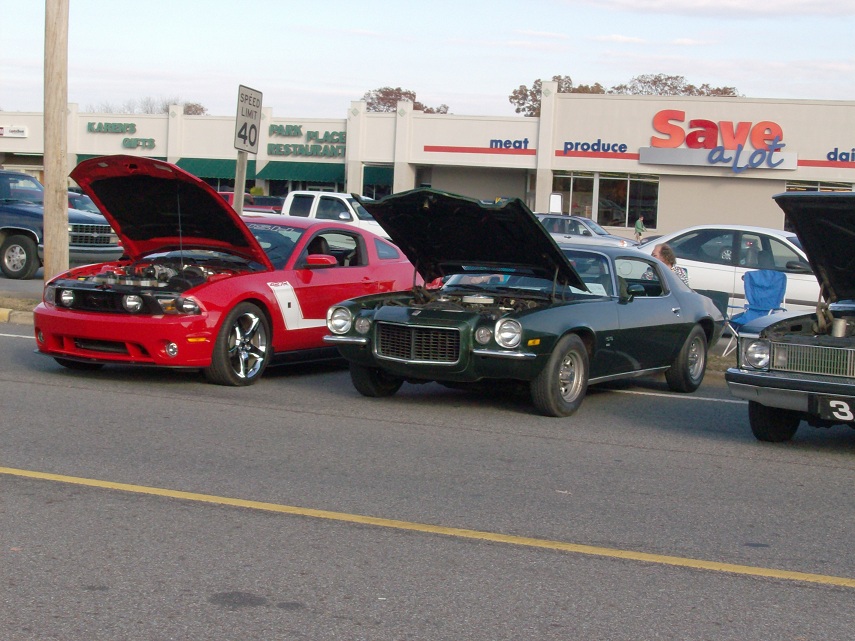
x,y
91,240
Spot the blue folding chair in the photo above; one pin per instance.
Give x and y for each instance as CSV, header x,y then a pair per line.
x,y
764,291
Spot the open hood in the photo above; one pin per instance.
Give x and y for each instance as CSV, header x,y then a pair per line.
x,y
825,223
153,205
440,233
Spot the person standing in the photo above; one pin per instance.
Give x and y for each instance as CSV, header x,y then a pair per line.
x,y
639,228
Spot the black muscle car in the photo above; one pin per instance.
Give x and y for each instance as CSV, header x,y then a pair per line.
x,y
515,306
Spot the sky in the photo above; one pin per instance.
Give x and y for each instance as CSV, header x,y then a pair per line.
x,y
311,59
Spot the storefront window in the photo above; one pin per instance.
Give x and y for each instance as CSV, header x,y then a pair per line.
x,y
805,185
621,198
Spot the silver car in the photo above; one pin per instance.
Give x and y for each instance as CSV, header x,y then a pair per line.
x,y
573,228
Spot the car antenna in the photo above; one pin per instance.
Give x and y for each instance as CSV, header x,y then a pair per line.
x,y
180,229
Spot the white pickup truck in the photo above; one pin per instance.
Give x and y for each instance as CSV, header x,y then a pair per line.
x,y
329,205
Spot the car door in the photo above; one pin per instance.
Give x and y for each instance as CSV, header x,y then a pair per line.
x,y
307,291
652,323
708,256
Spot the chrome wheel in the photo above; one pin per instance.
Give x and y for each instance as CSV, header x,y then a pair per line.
x,y
247,346
697,356
570,383
15,258
242,348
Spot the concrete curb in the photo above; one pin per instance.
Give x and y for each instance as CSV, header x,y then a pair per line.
x,y
16,317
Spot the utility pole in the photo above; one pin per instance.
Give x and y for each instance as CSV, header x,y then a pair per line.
x,y
56,138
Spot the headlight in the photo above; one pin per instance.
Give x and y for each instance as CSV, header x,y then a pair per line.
x,y
756,354
132,303
483,335
50,294
66,297
339,320
178,305
362,325
508,333
188,306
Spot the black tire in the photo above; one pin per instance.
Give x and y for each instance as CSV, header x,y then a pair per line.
x,y
560,387
80,366
19,257
242,349
772,424
373,381
687,371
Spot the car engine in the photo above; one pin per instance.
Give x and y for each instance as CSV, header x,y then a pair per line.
x,y
484,303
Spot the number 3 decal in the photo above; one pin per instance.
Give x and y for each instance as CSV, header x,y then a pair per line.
x,y
841,410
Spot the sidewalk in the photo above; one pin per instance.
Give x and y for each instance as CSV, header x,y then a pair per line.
x,y
14,309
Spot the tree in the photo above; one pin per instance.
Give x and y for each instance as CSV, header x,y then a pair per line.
x,y
148,105
385,99
663,85
527,101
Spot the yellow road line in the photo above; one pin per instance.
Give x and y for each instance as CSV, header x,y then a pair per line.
x,y
524,541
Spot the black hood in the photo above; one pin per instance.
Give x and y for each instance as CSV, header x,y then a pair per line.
x,y
825,223
440,233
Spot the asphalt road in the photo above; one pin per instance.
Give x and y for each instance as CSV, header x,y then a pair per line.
x,y
142,504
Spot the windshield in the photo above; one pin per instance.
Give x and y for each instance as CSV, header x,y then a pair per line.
x,y
277,241
82,202
597,229
20,187
593,268
361,212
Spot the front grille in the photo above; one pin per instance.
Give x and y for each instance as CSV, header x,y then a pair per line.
x,y
418,344
91,235
111,347
813,359
93,301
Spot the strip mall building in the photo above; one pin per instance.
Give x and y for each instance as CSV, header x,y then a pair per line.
x,y
677,161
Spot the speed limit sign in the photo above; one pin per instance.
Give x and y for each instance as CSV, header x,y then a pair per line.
x,y
248,120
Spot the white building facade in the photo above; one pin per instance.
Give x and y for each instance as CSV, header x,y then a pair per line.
x,y
677,161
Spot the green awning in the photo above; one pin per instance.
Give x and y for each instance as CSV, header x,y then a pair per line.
x,y
309,171
214,167
378,176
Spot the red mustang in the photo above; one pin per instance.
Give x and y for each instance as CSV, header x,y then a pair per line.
x,y
201,287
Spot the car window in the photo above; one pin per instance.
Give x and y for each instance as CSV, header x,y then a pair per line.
x,y
361,212
772,253
705,245
639,277
385,251
330,208
594,271
301,205
345,247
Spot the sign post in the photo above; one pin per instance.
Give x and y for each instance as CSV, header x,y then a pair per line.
x,y
247,127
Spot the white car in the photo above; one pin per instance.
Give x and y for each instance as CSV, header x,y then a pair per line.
x,y
717,256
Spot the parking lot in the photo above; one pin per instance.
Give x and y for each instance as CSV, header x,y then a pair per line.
x,y
142,504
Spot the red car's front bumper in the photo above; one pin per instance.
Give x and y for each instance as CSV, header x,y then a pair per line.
x,y
124,338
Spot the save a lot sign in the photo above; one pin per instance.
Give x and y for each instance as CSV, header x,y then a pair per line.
x,y
739,146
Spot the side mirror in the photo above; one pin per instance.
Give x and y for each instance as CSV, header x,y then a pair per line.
x,y
798,267
631,292
320,261
343,215
586,232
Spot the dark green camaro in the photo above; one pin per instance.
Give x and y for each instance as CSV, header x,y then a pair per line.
x,y
515,306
